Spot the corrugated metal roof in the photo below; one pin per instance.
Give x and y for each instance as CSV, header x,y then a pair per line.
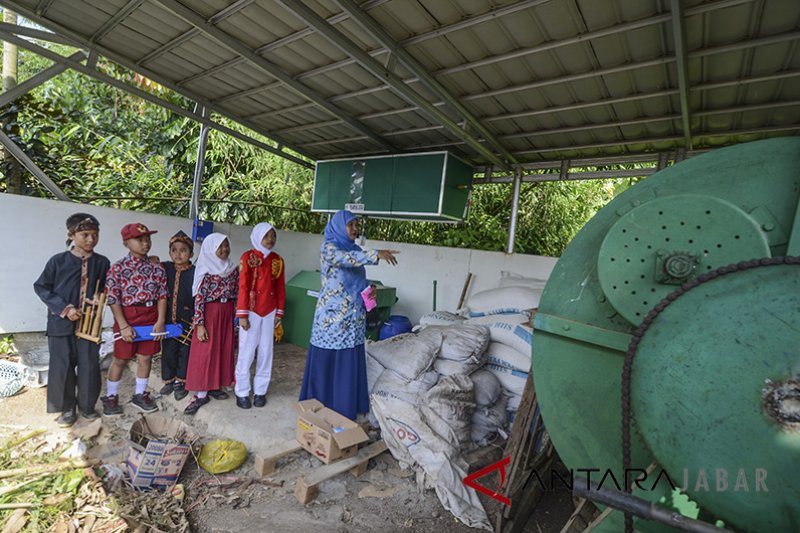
x,y
499,83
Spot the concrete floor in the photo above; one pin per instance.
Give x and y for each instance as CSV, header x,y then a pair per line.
x,y
263,430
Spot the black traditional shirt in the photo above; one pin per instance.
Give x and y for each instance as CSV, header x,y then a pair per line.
x,y
180,303
59,286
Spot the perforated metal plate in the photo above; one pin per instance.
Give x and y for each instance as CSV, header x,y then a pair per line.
x,y
672,230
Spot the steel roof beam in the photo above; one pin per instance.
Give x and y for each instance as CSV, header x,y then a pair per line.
x,y
32,167
189,34
126,62
571,176
621,28
38,34
617,143
270,68
773,39
607,101
415,67
617,124
112,23
75,65
282,111
31,83
376,69
43,6
339,17
681,64
548,46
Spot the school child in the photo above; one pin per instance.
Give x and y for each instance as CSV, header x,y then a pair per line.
x,y
262,296
211,355
137,294
70,279
180,310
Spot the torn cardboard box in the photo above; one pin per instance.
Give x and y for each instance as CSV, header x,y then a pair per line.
x,y
325,433
159,448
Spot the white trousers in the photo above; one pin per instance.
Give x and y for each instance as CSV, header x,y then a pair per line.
x,y
259,338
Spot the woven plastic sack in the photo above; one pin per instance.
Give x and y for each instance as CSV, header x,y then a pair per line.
x,y
12,379
220,456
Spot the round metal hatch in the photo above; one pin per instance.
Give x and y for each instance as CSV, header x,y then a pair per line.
x,y
668,241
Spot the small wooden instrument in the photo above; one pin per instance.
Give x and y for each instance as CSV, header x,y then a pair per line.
x,y
186,337
90,325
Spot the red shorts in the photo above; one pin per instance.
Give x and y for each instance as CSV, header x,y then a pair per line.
x,y
137,316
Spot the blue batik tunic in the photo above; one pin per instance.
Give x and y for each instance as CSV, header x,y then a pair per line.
x,y
340,316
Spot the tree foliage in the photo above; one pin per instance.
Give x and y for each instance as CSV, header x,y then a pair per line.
x,y
100,144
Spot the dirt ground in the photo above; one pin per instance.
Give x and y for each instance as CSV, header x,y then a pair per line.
x,y
385,498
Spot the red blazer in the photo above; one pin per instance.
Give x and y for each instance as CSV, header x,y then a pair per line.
x,y
262,288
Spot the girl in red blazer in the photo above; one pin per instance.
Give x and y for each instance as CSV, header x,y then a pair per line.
x,y
262,296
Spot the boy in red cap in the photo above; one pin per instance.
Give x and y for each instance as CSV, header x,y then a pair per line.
x,y
137,294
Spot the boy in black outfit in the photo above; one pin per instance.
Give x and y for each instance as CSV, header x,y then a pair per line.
x,y
180,310
68,281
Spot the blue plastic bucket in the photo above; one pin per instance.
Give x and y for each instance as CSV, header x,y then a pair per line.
x,y
396,325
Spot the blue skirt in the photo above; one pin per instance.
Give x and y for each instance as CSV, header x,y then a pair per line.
x,y
338,379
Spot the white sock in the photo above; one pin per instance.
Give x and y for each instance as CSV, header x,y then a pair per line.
x,y
141,385
112,387
202,394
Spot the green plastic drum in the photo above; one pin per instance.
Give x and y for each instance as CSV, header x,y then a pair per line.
x,y
725,206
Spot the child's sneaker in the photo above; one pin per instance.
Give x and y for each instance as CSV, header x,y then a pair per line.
x,y
67,419
167,388
180,390
144,402
111,405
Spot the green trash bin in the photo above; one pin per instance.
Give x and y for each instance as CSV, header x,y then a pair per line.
x,y
302,292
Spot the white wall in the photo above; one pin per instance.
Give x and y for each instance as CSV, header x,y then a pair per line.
x,y
33,230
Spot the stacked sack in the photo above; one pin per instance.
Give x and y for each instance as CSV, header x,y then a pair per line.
x,y
507,312
400,367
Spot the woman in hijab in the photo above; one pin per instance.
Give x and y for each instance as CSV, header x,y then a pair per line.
x,y
214,288
336,368
262,296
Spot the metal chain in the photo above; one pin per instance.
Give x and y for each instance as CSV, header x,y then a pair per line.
x,y
627,367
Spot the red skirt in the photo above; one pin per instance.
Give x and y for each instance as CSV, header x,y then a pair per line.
x,y
211,362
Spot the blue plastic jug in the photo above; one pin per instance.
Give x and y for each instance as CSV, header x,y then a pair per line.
x,y
396,325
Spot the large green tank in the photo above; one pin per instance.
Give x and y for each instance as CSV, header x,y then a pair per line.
x,y
714,372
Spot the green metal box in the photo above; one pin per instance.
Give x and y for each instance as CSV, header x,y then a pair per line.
x,y
431,186
302,292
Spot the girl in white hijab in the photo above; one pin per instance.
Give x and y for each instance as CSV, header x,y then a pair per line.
x,y
262,295
215,287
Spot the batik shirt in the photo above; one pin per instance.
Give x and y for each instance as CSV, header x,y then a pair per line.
x,y
340,317
132,281
215,289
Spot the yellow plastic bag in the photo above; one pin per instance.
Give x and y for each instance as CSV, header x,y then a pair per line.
x,y
220,456
278,333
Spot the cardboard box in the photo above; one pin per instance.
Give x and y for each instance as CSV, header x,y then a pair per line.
x,y
325,433
159,448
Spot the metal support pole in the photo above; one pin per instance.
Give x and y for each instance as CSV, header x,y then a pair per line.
x,y
512,227
199,166
32,167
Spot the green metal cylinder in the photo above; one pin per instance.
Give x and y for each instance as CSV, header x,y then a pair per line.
x,y
706,368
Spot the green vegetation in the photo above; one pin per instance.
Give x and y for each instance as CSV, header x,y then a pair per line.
x,y
104,146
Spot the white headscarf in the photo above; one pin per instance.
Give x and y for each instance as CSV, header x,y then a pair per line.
x,y
209,263
257,235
